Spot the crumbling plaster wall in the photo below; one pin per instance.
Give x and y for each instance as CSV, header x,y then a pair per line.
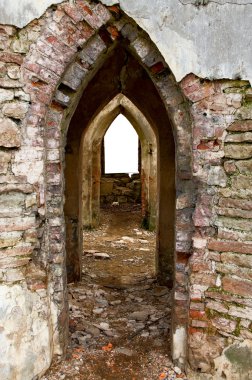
x,y
208,41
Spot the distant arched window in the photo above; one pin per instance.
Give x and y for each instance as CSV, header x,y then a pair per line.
x,y
121,147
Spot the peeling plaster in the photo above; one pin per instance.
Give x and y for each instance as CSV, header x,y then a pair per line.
x,y
212,41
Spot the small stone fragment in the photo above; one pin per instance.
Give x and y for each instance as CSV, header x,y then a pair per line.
x,y
101,255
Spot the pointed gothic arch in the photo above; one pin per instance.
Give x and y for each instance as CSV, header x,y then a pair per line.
x,y
77,47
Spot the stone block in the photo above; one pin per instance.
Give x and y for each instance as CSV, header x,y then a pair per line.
x,y
217,176
6,95
16,110
11,204
245,167
21,45
9,239
5,158
244,112
18,223
9,134
242,181
239,137
10,83
238,151
13,71
237,259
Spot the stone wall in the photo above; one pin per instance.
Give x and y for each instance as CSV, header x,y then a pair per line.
x,y
42,78
120,188
219,267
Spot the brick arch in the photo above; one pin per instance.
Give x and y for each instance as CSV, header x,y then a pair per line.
x,y
72,46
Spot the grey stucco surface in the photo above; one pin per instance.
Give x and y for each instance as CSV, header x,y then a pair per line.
x,y
212,41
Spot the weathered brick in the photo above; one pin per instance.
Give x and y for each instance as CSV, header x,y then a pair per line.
x,y
17,223
203,279
239,260
11,58
237,286
74,76
196,323
194,90
240,312
13,262
227,246
73,12
233,212
236,224
92,50
236,203
224,324
240,126
230,234
228,298
217,306
244,273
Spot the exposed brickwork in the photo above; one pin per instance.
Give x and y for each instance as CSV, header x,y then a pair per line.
x,y
43,70
223,204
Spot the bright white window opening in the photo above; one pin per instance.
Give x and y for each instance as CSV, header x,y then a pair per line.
x,y
121,147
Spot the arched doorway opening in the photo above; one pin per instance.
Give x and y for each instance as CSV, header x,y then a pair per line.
x,y
148,115
97,66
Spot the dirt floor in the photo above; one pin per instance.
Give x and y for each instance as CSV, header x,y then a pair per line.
x,y
119,316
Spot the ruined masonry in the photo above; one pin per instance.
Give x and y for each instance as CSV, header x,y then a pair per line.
x,y
80,60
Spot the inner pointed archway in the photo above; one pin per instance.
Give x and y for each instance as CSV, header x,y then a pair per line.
x,y
91,161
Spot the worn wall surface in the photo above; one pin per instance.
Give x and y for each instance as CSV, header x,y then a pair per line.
x,y
44,69
207,40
